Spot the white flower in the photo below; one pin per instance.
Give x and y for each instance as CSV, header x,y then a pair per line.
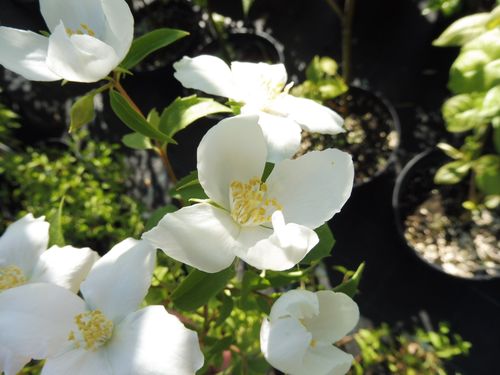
x,y
249,217
262,89
297,336
24,259
88,39
103,333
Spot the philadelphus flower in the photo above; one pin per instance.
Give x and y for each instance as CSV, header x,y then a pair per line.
x,y
297,337
103,333
24,259
262,90
88,39
267,224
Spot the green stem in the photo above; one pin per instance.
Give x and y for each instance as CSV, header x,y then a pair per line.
x,y
335,7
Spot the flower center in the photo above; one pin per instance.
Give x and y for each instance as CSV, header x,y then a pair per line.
x,y
10,277
85,29
94,330
250,205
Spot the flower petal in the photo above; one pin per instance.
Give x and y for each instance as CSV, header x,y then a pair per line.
x,y
206,73
64,266
78,362
258,82
312,116
154,342
282,135
324,359
24,52
201,236
119,281
79,58
283,249
234,149
119,26
35,319
284,343
338,314
313,187
10,363
73,13
297,303
23,242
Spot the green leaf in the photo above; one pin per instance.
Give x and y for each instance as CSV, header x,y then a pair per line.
x,y
184,111
467,72
134,120
463,30
150,42
137,141
246,5
463,112
491,103
154,118
225,309
451,151
350,287
452,173
199,287
487,174
492,201
324,246
56,236
157,215
188,188
82,111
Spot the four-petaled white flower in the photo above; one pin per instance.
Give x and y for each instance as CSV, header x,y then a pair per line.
x,y
262,90
88,39
102,333
24,259
297,336
267,224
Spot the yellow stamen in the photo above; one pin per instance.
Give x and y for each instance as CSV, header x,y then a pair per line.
x,y
85,29
10,277
94,330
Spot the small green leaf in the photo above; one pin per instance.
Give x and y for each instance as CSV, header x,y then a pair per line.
x,y
150,42
225,309
188,188
154,118
324,246
463,30
246,5
137,141
350,287
157,215
56,236
487,174
452,173
491,103
134,120
82,111
199,287
451,151
467,72
184,111
463,112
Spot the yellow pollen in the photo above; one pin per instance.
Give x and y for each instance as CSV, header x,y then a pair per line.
x,y
10,277
94,330
85,29
250,205
313,343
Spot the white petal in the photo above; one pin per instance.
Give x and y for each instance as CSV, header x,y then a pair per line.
x,y
206,73
64,266
258,83
73,13
234,149
79,58
24,52
201,236
119,26
154,342
282,250
36,319
79,362
324,359
312,116
23,242
282,135
10,363
119,281
338,314
312,188
284,343
297,303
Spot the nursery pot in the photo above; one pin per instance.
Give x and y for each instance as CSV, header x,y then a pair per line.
x,y
417,203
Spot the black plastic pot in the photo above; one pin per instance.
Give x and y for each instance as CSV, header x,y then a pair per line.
x,y
413,187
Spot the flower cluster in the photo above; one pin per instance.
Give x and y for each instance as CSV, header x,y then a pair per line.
x,y
263,207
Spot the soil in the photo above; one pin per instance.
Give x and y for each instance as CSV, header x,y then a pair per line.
x,y
370,135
